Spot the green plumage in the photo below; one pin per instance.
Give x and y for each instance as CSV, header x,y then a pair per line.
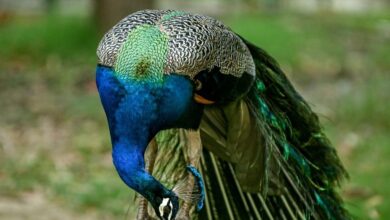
x,y
143,55
275,144
294,134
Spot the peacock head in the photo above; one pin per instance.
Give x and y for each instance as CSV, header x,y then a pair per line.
x,y
168,208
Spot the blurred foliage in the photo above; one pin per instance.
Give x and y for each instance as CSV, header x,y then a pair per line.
x,y
54,138
37,38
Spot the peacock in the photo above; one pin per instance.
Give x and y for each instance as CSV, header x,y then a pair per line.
x,y
205,124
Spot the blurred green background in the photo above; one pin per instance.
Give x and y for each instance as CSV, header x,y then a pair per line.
x,y
55,153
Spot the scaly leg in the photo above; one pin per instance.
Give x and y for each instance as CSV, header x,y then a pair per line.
x,y
193,152
150,158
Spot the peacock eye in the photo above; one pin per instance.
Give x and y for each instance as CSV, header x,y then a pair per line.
x,y
198,85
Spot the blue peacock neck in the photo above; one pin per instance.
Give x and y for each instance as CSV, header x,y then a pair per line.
x,y
136,111
129,163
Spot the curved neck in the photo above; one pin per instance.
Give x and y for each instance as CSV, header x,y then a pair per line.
x,y
128,159
136,111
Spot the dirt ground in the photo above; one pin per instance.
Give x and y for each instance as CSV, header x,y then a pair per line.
x,y
33,206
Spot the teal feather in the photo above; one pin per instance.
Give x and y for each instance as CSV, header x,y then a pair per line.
x,y
321,203
293,133
280,126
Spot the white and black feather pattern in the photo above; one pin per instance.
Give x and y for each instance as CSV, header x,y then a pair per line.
x,y
110,44
196,43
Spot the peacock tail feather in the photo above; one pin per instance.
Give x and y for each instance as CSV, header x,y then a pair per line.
x,y
296,172
295,139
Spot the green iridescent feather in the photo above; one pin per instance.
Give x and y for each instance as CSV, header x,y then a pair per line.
x,y
143,55
293,132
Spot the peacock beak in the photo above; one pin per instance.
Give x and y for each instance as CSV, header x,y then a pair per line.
x,y
200,99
